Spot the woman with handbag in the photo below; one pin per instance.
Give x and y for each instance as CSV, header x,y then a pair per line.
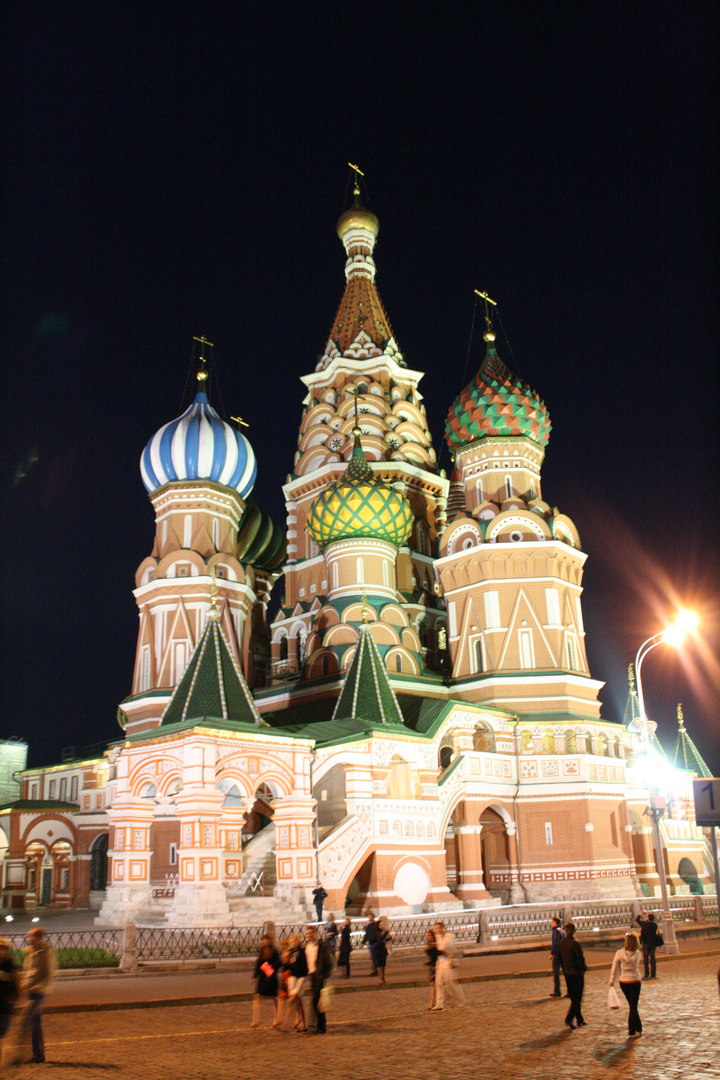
x,y
265,975
382,947
626,964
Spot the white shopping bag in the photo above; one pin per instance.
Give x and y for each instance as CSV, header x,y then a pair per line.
x,y
613,999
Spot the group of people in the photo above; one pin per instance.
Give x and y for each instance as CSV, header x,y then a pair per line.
x,y
22,993
281,971
567,956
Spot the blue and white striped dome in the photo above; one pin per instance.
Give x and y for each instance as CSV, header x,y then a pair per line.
x,y
199,446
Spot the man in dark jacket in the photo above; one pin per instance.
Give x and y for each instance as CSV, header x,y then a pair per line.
x,y
319,967
574,968
648,940
370,938
319,897
557,935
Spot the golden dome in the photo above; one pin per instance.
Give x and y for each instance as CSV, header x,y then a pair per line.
x,y
357,217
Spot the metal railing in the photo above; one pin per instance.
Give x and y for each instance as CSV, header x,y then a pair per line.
x,y
104,948
80,948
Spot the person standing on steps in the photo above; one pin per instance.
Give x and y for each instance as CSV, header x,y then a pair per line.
x,y
557,935
626,964
370,938
574,967
649,931
319,897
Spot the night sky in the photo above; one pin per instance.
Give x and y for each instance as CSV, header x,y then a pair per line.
x,y
175,169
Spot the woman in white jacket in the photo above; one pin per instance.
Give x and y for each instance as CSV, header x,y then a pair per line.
x,y
626,964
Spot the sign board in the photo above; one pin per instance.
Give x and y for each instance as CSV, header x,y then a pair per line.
x,y
707,801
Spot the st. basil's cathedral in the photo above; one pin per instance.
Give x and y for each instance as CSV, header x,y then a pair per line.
x,y
416,728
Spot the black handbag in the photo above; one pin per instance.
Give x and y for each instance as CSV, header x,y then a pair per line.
x,y
659,940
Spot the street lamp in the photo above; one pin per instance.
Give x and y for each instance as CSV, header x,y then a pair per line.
x,y
673,635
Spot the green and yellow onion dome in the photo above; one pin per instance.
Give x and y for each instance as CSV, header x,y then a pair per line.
x,y
357,505
496,403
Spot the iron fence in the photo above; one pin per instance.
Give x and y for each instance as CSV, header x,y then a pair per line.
x,y
103,948
80,948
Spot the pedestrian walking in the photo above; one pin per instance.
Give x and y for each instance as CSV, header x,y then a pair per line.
x,y
319,897
267,966
331,936
297,966
382,947
319,967
626,965
9,988
370,939
446,986
345,947
432,955
574,967
557,935
37,976
649,935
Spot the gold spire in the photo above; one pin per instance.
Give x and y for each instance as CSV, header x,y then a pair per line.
x,y
631,678
364,618
356,429
358,173
214,612
681,722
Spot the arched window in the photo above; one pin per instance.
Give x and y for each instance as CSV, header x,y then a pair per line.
x,y
484,739
98,863
398,662
508,487
324,665
284,647
216,533
479,664
446,756
386,575
187,531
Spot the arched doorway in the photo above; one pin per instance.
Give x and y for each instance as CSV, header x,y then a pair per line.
x,y
689,874
98,864
261,814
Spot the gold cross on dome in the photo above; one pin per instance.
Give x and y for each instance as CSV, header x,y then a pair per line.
x,y
358,173
203,372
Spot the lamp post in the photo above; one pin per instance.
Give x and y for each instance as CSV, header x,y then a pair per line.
x,y
672,636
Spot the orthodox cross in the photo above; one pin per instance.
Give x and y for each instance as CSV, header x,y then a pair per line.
x,y
203,372
358,174
484,296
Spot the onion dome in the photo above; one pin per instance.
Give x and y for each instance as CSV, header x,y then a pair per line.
x,y
199,446
357,505
357,217
496,403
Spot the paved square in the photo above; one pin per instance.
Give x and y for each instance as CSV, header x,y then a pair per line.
x,y
509,1028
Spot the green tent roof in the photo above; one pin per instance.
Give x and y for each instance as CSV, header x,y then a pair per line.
x,y
212,685
366,693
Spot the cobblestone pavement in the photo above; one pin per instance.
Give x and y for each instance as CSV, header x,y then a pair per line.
x,y
509,1029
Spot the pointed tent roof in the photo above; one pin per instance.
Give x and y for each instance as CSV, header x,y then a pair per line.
x,y
686,751
366,693
212,684
631,717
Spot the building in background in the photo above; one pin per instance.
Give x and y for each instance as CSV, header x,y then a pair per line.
x,y
417,727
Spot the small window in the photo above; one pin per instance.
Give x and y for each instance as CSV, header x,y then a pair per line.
x,y
548,832
64,879
52,793
173,855
508,487
33,791
398,662
63,789
446,756
74,789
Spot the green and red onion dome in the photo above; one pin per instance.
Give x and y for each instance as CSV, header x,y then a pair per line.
x,y
496,402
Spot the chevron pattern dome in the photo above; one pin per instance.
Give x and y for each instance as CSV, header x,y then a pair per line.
x,y
199,446
496,403
358,506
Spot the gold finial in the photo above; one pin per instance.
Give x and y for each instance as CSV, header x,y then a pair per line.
x,y
364,608
681,724
239,420
213,591
203,372
358,174
489,334
356,395
631,678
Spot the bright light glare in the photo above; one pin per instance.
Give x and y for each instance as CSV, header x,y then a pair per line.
x,y
9,918
654,772
687,621
36,919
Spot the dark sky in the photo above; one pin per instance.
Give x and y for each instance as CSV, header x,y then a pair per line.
x,y
176,169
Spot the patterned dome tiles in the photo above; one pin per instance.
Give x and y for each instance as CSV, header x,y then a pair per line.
x,y
497,403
